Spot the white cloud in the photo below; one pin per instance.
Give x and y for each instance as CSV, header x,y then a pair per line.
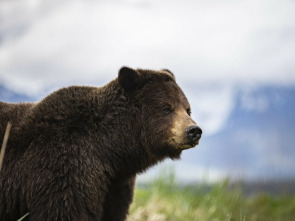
x,y
239,41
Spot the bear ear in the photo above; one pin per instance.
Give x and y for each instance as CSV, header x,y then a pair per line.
x,y
168,72
128,78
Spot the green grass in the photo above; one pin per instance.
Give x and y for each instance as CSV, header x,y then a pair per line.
x,y
164,200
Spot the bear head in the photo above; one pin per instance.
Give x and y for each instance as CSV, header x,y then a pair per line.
x,y
165,114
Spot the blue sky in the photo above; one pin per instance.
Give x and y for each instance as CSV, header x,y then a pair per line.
x,y
214,47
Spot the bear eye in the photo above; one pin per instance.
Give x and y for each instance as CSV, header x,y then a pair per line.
x,y
167,110
188,111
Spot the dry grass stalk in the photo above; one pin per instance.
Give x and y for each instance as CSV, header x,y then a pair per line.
x,y
4,143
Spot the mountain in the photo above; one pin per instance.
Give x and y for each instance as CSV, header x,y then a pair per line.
x,y
258,140
7,95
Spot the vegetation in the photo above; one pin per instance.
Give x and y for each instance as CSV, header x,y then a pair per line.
x,y
164,200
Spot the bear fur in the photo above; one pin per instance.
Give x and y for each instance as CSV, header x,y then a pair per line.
x,y
75,154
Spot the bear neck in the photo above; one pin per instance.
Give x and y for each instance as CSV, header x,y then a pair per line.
x,y
127,149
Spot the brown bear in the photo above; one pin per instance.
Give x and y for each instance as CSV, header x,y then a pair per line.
x,y
75,154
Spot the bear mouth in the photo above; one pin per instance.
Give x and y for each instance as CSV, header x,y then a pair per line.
x,y
191,144
185,145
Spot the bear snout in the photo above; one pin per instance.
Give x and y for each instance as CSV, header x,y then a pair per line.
x,y
193,134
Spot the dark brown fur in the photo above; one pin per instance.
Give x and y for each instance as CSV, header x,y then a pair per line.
x,y
75,154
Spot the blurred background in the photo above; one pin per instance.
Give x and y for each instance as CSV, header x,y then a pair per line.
x,y
233,59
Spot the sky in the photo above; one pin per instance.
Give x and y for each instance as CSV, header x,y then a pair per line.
x,y
213,47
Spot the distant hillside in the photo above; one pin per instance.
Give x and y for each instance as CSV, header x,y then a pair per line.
x,y
257,142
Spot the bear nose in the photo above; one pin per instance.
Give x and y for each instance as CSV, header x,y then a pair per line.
x,y
194,133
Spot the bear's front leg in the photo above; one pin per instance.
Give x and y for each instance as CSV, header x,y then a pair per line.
x,y
66,192
118,200
66,205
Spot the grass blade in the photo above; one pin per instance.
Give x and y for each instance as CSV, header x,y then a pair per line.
x,y
4,144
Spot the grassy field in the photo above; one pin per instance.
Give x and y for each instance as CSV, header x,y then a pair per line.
x,y
163,200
